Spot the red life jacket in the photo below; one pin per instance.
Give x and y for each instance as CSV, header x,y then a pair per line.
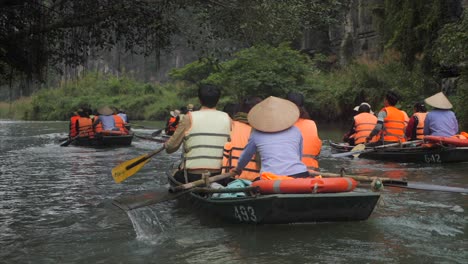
x,y
73,131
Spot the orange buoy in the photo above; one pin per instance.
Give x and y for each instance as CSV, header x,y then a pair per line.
x,y
306,185
456,141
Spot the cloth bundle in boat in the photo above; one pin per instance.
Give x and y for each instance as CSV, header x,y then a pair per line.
x,y
307,185
239,183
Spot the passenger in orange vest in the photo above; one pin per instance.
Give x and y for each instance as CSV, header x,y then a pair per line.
x,y
84,125
231,109
172,122
363,123
311,143
390,125
415,128
239,137
73,132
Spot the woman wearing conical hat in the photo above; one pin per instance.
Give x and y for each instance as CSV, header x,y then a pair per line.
x,y
276,138
441,121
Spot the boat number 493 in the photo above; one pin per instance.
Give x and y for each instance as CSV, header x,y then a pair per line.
x,y
432,158
245,213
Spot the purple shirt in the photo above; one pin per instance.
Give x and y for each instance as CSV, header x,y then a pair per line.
x,y
440,122
280,152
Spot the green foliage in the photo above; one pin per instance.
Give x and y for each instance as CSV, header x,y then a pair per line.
x,y
262,71
410,26
196,71
139,100
451,48
333,95
459,101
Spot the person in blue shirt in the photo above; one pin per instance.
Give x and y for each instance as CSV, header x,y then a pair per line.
x,y
441,121
275,138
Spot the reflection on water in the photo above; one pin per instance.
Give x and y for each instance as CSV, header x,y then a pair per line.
x,y
55,206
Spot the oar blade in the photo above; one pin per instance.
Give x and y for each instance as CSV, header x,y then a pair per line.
x,y
131,202
125,169
156,133
428,187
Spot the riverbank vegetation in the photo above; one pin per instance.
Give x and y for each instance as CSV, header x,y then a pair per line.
x,y
262,71
245,49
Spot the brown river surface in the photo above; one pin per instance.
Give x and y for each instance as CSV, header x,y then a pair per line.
x,y
56,207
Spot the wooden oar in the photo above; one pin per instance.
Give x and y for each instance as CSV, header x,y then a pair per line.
x,y
131,202
151,139
401,183
156,133
345,154
130,167
69,141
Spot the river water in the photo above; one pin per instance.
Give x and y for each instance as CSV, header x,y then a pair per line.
x,y
55,207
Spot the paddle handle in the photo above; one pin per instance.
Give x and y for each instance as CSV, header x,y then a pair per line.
x,y
365,178
344,154
201,182
143,159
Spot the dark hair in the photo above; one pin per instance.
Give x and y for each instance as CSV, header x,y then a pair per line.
x,y
249,103
208,95
392,98
184,110
296,98
364,108
231,109
420,107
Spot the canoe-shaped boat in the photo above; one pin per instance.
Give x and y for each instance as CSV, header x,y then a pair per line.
x,y
286,208
434,154
104,141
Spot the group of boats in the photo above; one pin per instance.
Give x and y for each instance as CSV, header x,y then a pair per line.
x,y
254,204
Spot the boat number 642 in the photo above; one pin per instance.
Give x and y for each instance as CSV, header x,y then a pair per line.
x,y
245,213
432,158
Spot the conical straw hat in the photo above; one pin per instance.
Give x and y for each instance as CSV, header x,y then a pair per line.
x,y
105,111
273,114
439,100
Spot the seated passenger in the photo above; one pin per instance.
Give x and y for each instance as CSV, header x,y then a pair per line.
x,y
415,128
275,138
84,124
363,123
441,121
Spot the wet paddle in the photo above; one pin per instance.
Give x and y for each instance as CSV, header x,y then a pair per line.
x,y
130,167
402,183
156,133
131,202
359,149
151,139
68,142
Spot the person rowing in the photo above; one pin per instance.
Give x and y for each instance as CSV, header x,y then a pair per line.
x,y
203,134
391,124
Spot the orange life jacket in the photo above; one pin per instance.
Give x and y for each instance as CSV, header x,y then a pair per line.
x,y
420,128
120,124
239,136
394,125
364,123
170,128
85,127
73,131
311,143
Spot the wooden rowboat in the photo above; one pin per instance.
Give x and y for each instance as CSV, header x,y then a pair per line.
x,y
104,141
286,208
435,154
